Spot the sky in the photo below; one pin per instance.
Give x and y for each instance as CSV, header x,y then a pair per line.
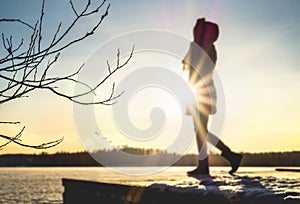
x,y
258,66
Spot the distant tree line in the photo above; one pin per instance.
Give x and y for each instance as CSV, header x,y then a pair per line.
x,y
86,159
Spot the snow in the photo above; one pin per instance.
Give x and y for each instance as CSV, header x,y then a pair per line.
x,y
243,186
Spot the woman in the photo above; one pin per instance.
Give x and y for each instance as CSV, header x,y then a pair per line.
x,y
200,63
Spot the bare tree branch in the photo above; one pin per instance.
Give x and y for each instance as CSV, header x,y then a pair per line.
x,y
9,122
15,140
41,21
25,68
73,8
11,139
16,20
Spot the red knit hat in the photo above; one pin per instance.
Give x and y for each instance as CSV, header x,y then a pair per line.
x,y
205,32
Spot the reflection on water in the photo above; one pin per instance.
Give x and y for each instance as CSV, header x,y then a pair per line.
x,y
43,184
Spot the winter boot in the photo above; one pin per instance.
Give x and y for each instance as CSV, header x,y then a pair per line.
x,y
202,169
234,160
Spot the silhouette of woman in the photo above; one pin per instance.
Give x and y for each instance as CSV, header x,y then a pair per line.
x,y
200,67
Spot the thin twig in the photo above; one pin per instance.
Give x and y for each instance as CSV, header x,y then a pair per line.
x,y
41,22
73,8
9,122
16,20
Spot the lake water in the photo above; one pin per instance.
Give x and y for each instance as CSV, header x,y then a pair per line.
x,y
44,185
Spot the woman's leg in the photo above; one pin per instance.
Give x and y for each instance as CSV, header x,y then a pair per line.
x,y
233,158
214,140
200,126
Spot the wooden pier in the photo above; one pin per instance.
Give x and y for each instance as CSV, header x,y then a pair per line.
x,y
79,191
